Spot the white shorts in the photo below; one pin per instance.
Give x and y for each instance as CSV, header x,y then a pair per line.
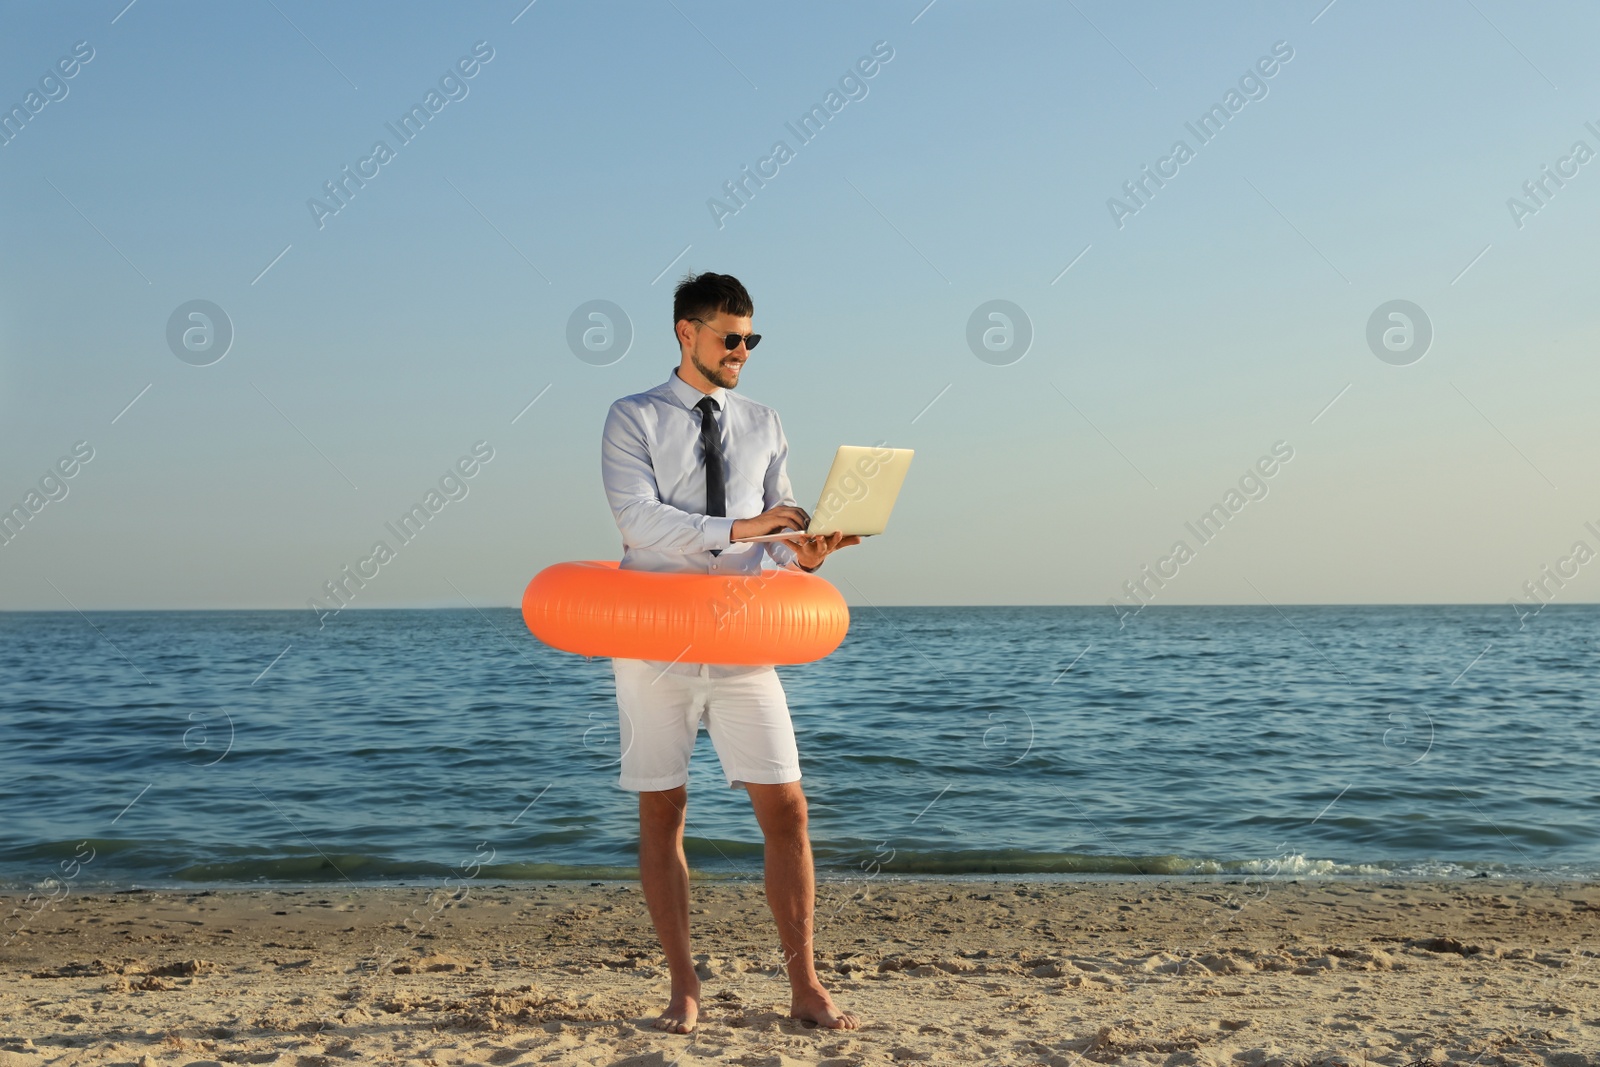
x,y
659,715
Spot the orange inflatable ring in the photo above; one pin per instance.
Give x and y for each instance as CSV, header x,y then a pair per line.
x,y
594,608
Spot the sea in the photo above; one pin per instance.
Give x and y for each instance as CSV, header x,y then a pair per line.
x,y
196,749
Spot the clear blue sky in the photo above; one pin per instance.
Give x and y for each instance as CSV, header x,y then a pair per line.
x,y
1221,317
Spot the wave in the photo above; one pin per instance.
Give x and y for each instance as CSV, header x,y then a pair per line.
x,y
720,860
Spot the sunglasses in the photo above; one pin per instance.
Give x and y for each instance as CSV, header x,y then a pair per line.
x,y
731,340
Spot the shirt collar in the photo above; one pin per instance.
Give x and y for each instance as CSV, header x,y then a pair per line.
x,y
689,396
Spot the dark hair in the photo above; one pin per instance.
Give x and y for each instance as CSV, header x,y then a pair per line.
x,y
701,296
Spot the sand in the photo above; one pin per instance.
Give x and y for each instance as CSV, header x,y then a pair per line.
x,y
1248,974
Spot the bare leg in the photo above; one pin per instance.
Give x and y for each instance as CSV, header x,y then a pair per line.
x,y
791,893
664,873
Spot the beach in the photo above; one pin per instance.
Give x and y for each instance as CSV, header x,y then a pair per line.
x,y
1249,972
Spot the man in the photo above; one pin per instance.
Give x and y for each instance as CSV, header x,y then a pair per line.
x,y
688,466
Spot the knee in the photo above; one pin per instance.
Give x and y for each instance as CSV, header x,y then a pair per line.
x,y
661,813
787,815
791,820
787,829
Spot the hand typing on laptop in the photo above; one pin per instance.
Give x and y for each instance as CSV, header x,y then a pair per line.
x,y
809,551
775,520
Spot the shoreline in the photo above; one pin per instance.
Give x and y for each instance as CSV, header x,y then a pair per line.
x,y
13,895
1167,971
829,876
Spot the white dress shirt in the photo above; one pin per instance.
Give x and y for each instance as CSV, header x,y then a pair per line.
x,y
654,468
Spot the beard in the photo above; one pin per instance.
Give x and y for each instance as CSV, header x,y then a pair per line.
x,y
719,375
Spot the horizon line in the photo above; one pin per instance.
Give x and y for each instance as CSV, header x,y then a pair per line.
x,y
518,607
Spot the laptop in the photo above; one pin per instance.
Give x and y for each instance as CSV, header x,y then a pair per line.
x,y
858,495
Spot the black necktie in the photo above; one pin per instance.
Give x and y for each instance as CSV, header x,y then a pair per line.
x,y
711,439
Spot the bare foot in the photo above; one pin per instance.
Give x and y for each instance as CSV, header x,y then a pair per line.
x,y
683,1011
816,1007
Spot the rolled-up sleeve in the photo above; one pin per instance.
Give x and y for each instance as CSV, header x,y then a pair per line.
x,y
635,498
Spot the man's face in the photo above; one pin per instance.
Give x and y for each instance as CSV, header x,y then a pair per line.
x,y
710,354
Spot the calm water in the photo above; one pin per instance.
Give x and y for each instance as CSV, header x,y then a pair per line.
x,y
205,747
